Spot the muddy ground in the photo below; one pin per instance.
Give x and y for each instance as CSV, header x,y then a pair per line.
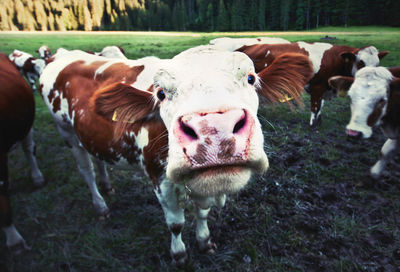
x,y
316,209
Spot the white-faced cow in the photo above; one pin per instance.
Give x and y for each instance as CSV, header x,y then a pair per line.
x,y
17,111
232,44
375,100
28,66
44,53
328,60
190,122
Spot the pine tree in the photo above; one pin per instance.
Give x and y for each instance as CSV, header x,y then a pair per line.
x,y
261,15
222,19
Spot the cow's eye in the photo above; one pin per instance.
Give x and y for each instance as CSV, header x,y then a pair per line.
x,y
161,94
251,79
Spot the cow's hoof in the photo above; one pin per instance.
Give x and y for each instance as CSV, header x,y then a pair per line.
x,y
110,191
103,213
316,122
179,258
375,175
39,183
207,247
19,248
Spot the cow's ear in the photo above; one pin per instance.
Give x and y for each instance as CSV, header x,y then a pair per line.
x,y
341,83
382,54
285,78
123,105
348,56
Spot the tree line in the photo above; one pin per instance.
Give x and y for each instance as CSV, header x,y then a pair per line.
x,y
195,15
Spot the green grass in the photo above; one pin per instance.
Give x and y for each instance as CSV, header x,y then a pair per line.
x,y
314,209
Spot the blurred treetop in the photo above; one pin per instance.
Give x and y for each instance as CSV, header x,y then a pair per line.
x,y
196,15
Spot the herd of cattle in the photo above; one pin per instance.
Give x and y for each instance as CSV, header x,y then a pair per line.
x,y
191,121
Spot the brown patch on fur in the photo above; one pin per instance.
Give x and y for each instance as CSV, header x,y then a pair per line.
x,y
176,229
201,154
28,65
341,83
208,141
227,148
208,131
56,104
265,54
287,75
395,71
374,116
131,103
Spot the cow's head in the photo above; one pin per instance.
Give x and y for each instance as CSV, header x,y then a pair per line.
x,y
44,52
208,101
363,57
28,66
369,92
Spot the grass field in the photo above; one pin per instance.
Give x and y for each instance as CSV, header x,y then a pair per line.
x,y
315,210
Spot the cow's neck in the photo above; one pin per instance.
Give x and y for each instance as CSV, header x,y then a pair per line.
x,y
391,120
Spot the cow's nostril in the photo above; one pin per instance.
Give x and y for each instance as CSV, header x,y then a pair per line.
x,y
239,125
188,131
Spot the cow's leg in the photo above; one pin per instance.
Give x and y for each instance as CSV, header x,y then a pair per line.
x,y
387,153
14,240
169,195
317,92
32,80
104,179
28,145
203,206
85,167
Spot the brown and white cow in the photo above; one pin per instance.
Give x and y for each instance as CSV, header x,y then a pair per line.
x,y
232,44
375,101
190,122
328,60
17,111
28,66
44,53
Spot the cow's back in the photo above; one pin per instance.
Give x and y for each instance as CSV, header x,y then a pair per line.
x,y
264,54
17,106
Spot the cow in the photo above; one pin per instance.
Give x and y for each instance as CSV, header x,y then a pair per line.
x,y
112,52
232,44
44,53
375,101
17,111
190,122
328,60
28,66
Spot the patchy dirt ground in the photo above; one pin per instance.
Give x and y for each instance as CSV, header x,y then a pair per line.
x,y
316,209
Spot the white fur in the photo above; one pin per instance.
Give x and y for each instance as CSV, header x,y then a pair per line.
x,y
42,51
12,236
231,44
19,57
216,79
387,153
316,52
369,55
112,52
370,86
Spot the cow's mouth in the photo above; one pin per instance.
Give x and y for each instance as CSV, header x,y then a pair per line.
x,y
206,172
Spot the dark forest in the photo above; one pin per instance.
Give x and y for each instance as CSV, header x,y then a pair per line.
x,y
194,15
